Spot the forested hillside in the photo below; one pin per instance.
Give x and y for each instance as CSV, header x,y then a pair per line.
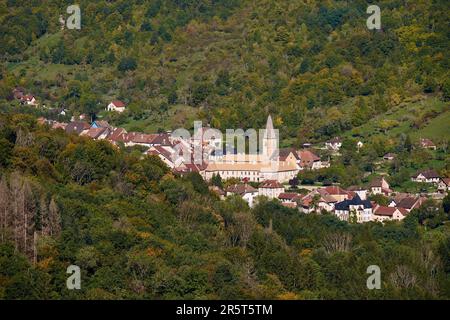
x,y
138,232
314,65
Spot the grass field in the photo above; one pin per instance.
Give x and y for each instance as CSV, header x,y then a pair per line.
x,y
401,120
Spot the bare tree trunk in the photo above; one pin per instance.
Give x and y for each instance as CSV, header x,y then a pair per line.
x,y
35,237
54,218
4,207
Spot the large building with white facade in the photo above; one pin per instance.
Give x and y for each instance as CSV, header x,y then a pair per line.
x,y
257,167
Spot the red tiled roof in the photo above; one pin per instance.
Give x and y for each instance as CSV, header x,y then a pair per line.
x,y
137,137
410,203
162,139
77,127
241,189
307,156
335,190
118,134
384,211
118,103
158,150
271,184
287,195
94,133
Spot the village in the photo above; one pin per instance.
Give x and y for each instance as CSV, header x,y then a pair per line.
x,y
256,176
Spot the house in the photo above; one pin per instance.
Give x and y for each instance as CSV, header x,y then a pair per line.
x,y
28,100
444,185
389,156
336,192
309,160
289,155
167,155
137,138
360,191
185,168
246,191
96,133
101,124
270,188
427,144
397,198
288,197
410,202
316,201
77,127
427,176
334,144
360,209
383,213
380,186
161,139
116,105
117,135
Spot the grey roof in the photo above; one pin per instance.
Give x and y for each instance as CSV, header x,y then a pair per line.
x,y
344,205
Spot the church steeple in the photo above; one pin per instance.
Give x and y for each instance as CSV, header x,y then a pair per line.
x,y
270,143
270,132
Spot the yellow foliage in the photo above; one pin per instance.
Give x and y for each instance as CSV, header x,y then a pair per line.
x,y
153,252
288,296
144,235
305,252
45,264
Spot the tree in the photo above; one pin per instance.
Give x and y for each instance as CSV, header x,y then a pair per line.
x,y
216,180
127,64
294,182
446,203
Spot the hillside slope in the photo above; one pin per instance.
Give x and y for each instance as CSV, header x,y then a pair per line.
x,y
314,65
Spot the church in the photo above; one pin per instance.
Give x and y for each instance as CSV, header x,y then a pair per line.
x,y
268,164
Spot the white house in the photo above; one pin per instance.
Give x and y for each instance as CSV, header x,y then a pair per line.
x,y
382,213
362,209
334,144
380,186
360,191
29,100
271,189
116,105
246,191
427,144
428,176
